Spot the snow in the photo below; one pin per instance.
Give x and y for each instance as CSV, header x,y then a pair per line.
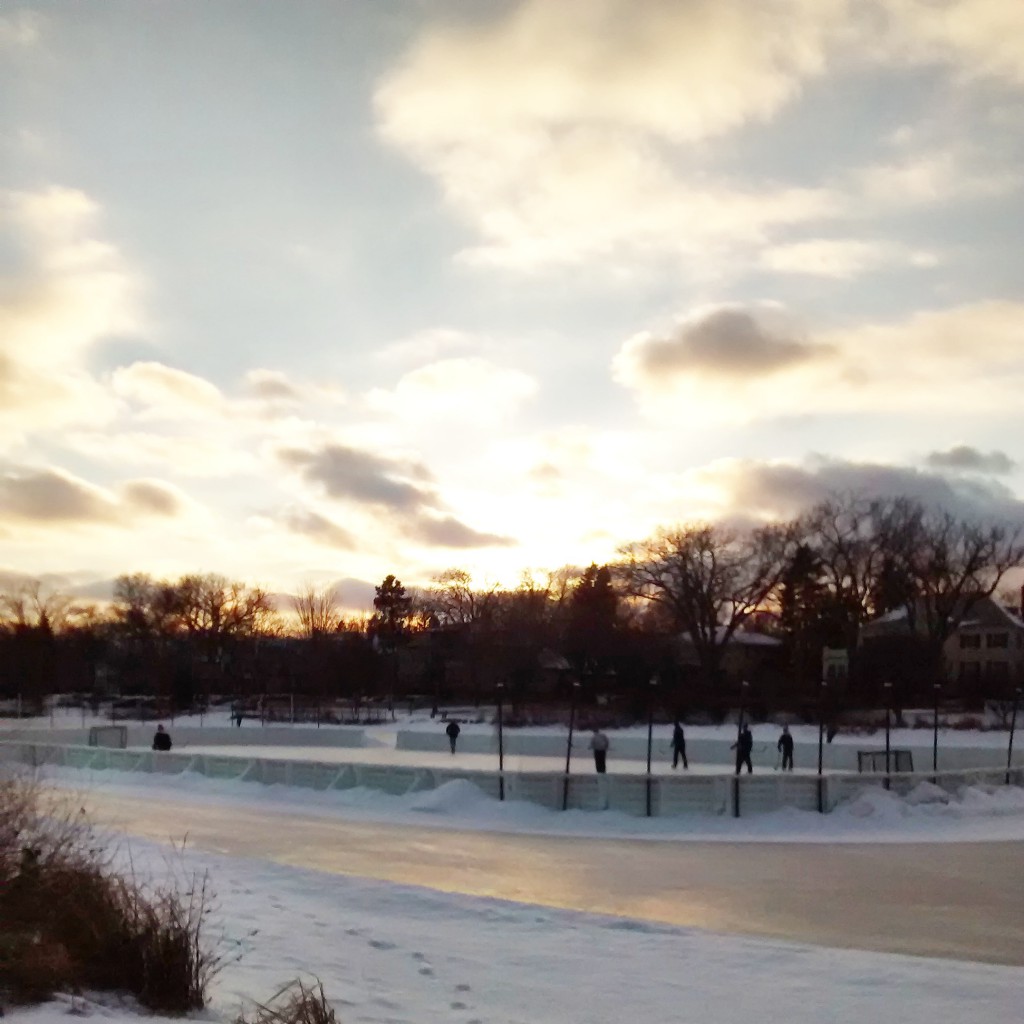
x,y
397,953
389,952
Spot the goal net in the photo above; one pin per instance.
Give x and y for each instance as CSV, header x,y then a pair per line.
x,y
108,736
874,761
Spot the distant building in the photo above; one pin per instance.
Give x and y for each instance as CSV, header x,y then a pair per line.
x,y
986,651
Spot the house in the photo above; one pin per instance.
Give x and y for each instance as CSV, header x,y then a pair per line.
x,y
745,655
986,651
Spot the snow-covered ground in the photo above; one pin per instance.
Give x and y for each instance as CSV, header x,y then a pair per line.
x,y
406,955
390,952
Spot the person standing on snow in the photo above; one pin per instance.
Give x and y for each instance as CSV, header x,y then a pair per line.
x,y
452,732
743,746
678,745
785,746
161,739
599,745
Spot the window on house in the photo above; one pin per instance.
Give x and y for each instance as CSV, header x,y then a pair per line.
x,y
968,640
997,639
999,670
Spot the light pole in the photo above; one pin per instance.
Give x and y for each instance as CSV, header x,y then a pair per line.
x,y
887,687
568,747
936,688
650,737
501,745
1013,726
821,747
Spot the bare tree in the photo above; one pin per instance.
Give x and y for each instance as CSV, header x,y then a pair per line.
x,y
318,610
953,564
709,578
854,538
31,605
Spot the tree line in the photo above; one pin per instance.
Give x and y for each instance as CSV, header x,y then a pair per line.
x,y
670,606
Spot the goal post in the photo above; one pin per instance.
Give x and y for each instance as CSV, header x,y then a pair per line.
x,y
874,761
108,736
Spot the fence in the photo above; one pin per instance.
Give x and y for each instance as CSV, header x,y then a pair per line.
x,y
700,750
670,796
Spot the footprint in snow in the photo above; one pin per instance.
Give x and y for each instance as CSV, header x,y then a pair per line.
x,y
381,944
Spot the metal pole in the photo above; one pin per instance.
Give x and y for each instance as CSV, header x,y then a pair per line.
x,y
935,731
1013,726
744,686
821,747
887,687
650,739
568,747
501,745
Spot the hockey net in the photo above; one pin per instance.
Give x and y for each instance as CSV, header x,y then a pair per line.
x,y
108,736
874,761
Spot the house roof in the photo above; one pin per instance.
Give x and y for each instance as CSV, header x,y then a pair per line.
x,y
742,638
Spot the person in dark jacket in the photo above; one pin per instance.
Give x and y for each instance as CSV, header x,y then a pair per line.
x,y
679,746
785,746
743,747
453,734
162,739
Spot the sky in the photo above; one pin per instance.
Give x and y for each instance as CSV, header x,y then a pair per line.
x,y
321,291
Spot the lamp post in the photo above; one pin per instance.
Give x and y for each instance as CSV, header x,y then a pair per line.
x,y
1013,726
501,744
936,688
568,747
650,737
821,746
887,687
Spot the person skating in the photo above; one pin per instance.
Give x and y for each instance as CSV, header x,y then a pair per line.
x,y
453,734
679,746
743,746
599,745
161,739
785,746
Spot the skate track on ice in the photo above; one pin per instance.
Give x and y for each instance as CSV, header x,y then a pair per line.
x,y
957,900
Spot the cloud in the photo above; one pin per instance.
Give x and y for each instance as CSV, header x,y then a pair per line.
x,y
64,292
272,386
447,532
467,388
728,342
573,131
916,178
842,258
164,392
20,28
980,38
318,528
50,495
54,496
965,458
350,474
783,490
588,98
961,360
429,345
153,497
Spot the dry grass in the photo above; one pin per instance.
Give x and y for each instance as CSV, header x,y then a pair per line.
x,y
296,1003
69,921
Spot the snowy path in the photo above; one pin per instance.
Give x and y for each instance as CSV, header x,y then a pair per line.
x,y
958,900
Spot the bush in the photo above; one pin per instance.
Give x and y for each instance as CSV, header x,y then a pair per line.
x,y
69,921
294,1004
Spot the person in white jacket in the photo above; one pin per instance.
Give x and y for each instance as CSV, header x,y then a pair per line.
x,y
599,745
